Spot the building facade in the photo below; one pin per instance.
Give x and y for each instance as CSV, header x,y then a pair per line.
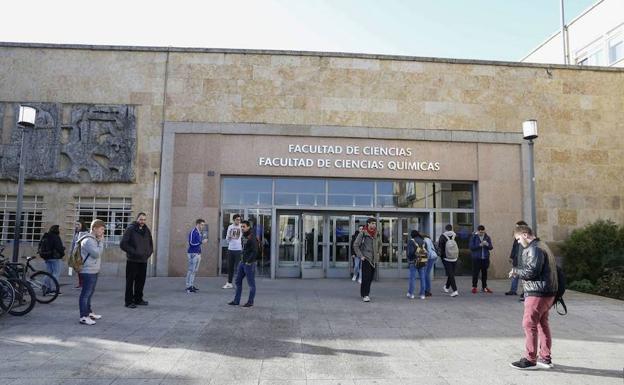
x,y
594,38
306,146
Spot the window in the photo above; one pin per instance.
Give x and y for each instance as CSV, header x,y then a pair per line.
x,y
616,50
452,195
408,194
32,218
350,193
300,192
247,191
593,59
115,212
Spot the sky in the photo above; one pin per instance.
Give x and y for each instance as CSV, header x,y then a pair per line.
x,y
462,29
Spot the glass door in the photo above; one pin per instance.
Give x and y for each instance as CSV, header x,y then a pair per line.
x,y
313,231
339,247
390,241
260,219
289,242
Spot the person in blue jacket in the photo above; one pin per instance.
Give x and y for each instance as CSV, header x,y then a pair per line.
x,y
195,241
480,246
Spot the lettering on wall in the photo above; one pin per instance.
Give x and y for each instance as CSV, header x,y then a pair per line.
x,y
349,157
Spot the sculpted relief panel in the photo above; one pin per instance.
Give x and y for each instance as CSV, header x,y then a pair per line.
x,y
71,143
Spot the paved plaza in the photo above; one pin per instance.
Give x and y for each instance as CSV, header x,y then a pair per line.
x,y
312,332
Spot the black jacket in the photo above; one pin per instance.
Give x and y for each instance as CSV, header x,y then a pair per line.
x,y
137,243
54,244
250,248
516,253
535,272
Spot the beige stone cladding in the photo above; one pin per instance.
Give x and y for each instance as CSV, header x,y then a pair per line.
x,y
84,76
579,154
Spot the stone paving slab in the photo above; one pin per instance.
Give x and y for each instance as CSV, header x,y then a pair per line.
x,y
304,332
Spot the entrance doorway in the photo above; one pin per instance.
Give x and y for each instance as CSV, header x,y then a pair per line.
x,y
318,245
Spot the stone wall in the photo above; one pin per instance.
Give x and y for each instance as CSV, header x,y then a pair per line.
x,y
579,154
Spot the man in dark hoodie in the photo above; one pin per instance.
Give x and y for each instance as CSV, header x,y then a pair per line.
x,y
247,265
138,245
51,249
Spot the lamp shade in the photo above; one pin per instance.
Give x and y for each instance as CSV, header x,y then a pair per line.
x,y
27,116
529,129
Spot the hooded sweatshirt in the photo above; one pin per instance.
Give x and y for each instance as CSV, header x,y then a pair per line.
x,y
442,244
91,252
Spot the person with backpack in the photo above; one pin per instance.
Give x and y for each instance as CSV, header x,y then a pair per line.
x,y
138,245
480,246
432,257
193,251
79,228
417,257
541,284
91,247
367,246
450,253
52,251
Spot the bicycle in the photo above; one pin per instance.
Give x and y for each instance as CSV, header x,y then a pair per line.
x,y
41,281
24,298
7,296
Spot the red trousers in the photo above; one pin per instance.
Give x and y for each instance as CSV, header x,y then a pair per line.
x,y
535,325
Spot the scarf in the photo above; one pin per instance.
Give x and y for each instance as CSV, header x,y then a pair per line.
x,y
371,232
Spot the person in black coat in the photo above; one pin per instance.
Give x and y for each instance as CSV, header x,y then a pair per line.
x,y
52,251
138,245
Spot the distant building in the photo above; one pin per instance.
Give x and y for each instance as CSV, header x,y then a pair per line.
x,y
595,38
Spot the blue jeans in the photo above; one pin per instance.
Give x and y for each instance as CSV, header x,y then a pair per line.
x,y
412,279
249,271
514,284
357,267
54,267
430,264
193,266
88,287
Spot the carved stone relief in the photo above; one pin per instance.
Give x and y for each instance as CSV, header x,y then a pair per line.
x,y
98,144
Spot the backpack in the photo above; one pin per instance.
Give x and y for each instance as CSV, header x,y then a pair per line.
x,y
451,250
75,260
422,256
561,287
45,249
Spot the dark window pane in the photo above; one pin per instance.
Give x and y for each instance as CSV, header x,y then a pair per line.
x,y
300,192
408,194
248,191
351,193
452,195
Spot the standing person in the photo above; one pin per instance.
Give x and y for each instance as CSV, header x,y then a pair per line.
x,y
415,249
431,260
79,227
514,256
480,245
195,241
233,237
247,266
138,245
539,272
51,249
357,262
91,248
450,253
367,246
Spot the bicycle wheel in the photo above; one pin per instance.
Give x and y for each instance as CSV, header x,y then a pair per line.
x,y
25,298
7,296
44,284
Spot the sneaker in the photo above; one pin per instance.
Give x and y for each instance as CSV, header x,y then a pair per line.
x,y
521,299
194,288
428,294
360,281
422,297
354,278
228,286
474,290
524,364
445,289
408,295
366,299
142,303
545,363
248,304
130,306
233,303
87,321
189,290
487,290
94,316
510,293
455,293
